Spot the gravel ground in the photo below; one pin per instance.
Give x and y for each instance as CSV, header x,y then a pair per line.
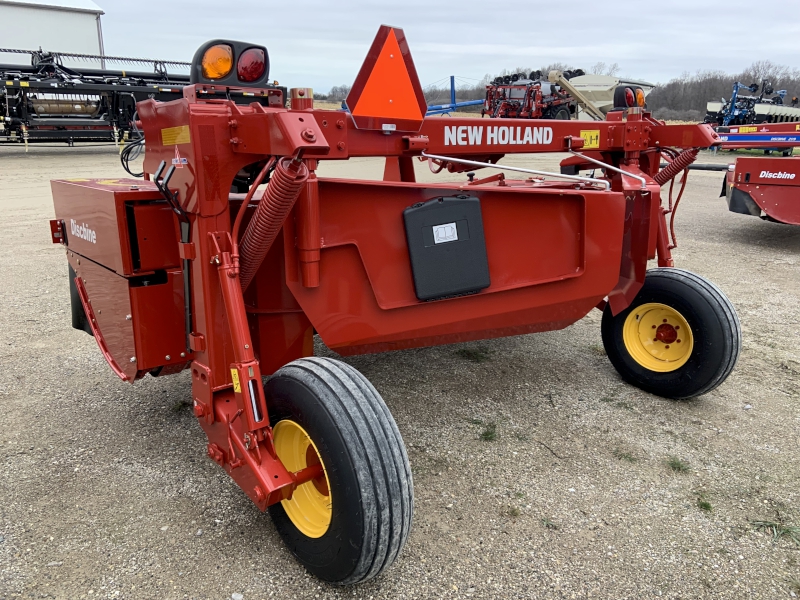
x,y
106,492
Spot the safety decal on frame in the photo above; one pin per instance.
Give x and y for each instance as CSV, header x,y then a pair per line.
x,y
591,138
178,161
237,387
175,135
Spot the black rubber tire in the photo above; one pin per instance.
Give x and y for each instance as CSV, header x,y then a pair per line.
x,y
372,491
714,324
560,113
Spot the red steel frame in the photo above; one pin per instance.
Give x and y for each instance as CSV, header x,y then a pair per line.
x,y
340,263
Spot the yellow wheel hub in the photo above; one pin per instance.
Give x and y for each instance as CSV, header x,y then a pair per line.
x,y
658,337
309,508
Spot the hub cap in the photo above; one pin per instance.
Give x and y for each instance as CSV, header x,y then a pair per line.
x,y
309,508
658,337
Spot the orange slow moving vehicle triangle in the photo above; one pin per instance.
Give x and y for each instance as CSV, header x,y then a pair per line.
x,y
389,92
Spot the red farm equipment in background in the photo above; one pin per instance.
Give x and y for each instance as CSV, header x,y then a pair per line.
x,y
201,267
528,97
766,187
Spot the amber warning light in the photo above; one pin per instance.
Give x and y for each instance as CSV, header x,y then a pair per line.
x,y
217,61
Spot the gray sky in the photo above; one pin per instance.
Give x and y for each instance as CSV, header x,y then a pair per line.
x,y
319,44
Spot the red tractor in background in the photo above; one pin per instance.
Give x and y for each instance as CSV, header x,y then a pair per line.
x,y
232,253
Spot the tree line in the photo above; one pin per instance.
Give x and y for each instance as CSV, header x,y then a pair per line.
x,y
682,98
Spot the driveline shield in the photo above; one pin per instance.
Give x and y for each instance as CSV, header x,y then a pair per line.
x,y
447,247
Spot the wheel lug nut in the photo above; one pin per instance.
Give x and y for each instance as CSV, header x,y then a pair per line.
x,y
666,347
677,341
677,327
664,321
654,326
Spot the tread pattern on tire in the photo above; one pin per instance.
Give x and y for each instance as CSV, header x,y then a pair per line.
x,y
715,296
382,466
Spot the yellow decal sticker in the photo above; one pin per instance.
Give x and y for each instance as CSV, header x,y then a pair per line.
x,y
747,129
175,135
9,83
797,127
237,387
591,138
112,182
24,84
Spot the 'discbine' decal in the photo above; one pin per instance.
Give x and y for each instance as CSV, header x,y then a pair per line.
x,y
82,231
776,175
474,135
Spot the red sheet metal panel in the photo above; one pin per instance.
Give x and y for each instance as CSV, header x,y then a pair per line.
x,y
552,256
773,183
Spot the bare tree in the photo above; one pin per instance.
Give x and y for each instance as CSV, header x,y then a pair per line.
x,y
338,93
601,68
556,66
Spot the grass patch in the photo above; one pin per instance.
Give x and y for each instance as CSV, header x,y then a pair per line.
x,y
514,512
548,524
489,433
794,585
622,455
677,465
180,405
475,421
704,504
477,354
625,405
522,437
597,349
778,530
606,399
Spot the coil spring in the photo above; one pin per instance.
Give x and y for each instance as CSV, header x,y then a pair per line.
x,y
284,187
683,160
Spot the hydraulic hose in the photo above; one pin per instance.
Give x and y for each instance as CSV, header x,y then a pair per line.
x,y
680,163
284,187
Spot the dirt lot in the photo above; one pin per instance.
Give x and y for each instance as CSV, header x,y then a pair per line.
x,y
106,492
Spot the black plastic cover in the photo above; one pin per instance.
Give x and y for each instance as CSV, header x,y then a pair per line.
x,y
447,247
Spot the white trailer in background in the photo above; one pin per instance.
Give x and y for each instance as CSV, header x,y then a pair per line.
x,y
52,25
598,90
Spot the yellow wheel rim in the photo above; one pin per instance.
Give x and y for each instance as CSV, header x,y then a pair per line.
x,y
658,337
309,508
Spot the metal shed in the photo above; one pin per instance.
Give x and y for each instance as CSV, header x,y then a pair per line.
x,y
54,25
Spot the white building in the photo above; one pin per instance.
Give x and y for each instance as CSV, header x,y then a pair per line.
x,y
54,25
